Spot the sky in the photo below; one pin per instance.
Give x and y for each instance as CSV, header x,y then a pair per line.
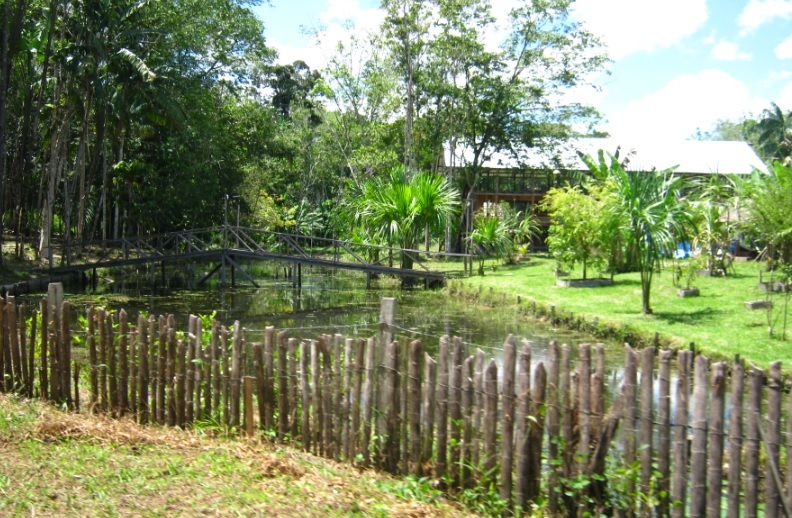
x,y
678,66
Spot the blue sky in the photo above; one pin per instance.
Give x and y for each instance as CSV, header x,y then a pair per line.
x,y
678,65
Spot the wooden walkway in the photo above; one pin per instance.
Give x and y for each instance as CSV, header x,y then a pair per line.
x,y
228,244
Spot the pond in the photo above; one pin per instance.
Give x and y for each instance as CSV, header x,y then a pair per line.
x,y
338,302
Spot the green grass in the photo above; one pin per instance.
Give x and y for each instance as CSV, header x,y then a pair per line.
x,y
717,321
61,464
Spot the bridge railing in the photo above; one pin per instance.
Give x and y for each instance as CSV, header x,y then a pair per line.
x,y
267,242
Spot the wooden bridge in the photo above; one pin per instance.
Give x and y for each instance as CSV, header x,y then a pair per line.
x,y
227,244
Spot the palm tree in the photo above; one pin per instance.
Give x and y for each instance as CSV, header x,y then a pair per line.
x,y
437,201
774,134
653,217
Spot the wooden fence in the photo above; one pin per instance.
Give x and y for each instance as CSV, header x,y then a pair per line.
x,y
542,435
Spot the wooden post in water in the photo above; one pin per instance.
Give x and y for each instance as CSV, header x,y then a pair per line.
x,y
507,419
736,441
346,398
698,449
754,407
773,440
441,465
664,434
716,427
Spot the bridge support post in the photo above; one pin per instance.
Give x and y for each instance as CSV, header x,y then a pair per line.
x,y
233,275
368,280
162,272
222,270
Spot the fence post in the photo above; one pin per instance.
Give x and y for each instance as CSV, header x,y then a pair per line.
x,y
283,378
368,395
392,396
269,381
143,371
441,466
773,438
735,440
647,419
356,403
490,422
698,449
293,391
414,405
664,433
717,412
521,419
305,391
455,410
754,405
44,360
123,359
679,483
584,406
507,420
553,427
428,415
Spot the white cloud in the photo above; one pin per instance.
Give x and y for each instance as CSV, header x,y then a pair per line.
x,y
631,26
728,51
342,20
784,99
784,49
760,12
686,103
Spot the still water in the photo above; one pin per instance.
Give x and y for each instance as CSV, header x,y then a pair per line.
x,y
331,303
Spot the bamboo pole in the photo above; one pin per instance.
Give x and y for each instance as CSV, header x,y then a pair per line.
x,y
490,422
754,404
441,466
507,420
294,383
455,410
584,406
414,405
283,394
346,389
646,421
236,373
143,371
368,395
355,402
716,428
535,434
679,481
305,391
553,427
521,433
664,434
428,414
698,450
736,439
773,442
123,360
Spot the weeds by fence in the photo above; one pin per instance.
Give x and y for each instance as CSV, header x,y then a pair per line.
x,y
531,437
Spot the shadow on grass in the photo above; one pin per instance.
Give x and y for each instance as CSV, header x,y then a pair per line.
x,y
699,316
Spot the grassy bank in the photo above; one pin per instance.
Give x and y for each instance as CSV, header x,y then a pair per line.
x,y
717,321
59,464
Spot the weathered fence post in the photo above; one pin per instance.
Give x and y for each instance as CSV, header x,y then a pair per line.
x,y
455,410
521,419
584,405
236,367
553,427
773,439
507,419
754,405
647,419
490,422
368,397
467,421
283,396
664,434
392,442
536,432
305,391
355,402
414,406
630,400
123,359
428,414
698,449
269,381
143,371
679,483
735,441
441,466
717,412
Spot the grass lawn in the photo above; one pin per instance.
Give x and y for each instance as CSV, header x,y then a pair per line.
x,y
65,464
717,321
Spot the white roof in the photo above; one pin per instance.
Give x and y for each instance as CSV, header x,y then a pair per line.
x,y
690,156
